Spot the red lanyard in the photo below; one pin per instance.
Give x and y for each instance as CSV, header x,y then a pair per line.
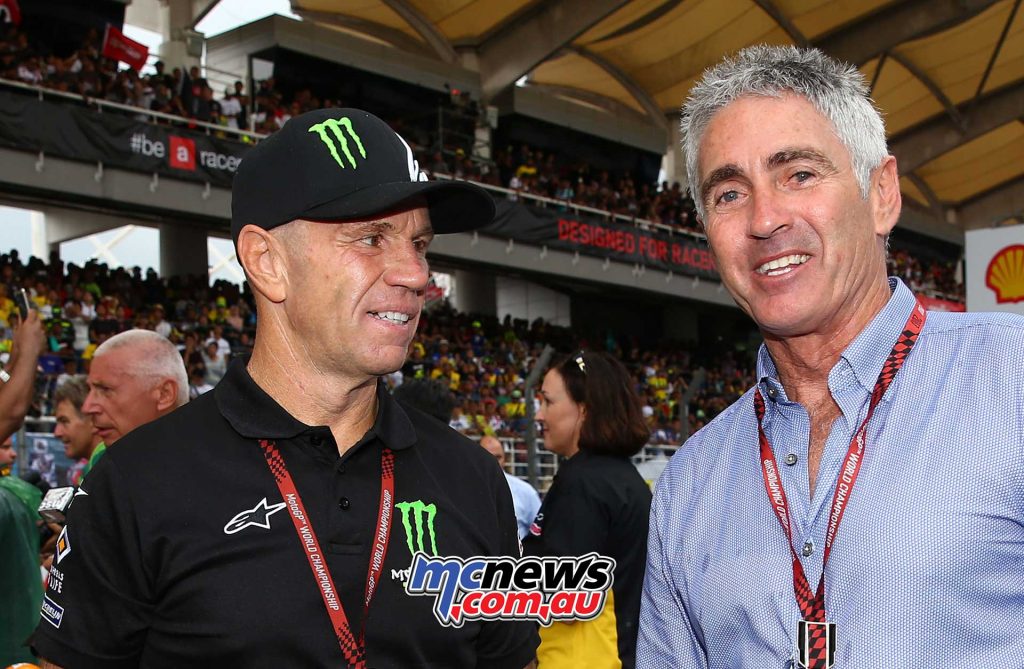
x,y
812,603
352,648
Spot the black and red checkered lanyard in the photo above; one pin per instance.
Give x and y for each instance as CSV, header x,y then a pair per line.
x,y
816,638
353,648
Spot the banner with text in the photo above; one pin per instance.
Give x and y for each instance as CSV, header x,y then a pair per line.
x,y
594,237
77,132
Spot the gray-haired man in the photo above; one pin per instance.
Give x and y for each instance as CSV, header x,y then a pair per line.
x,y
892,534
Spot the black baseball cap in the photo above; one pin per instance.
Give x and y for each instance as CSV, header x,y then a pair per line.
x,y
344,164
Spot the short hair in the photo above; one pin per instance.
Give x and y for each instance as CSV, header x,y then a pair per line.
x,y
74,390
614,422
429,396
160,359
837,90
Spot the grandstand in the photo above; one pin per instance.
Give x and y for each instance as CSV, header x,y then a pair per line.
x,y
568,122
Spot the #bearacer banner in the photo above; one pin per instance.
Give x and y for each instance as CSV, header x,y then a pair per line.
x,y
119,47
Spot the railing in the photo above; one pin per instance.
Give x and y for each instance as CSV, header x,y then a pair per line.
x,y
138,112
651,459
576,208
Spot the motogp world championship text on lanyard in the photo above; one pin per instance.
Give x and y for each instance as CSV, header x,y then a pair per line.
x,y
816,638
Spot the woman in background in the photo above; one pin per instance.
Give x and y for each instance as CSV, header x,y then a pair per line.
x,y
598,502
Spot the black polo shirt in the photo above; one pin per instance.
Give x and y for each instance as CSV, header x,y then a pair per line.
x,y
182,554
600,503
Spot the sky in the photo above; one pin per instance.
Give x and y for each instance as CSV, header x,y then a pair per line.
x,y
141,245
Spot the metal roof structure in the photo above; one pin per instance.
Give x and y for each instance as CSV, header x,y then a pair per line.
x,y
947,74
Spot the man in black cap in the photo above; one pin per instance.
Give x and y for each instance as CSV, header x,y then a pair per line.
x,y
272,521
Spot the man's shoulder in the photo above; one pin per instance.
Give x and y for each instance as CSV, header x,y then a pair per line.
x,y
730,433
972,341
998,325
436,441
176,436
519,486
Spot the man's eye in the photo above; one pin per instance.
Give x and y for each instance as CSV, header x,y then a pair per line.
x,y
803,176
372,240
727,197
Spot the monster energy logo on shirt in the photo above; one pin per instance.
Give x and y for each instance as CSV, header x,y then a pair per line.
x,y
422,514
338,138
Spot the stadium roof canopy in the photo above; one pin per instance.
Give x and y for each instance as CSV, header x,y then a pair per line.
x,y
948,74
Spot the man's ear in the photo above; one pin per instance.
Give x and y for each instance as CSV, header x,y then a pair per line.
x,y
262,257
166,395
885,196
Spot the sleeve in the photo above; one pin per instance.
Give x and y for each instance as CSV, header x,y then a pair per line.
x,y
97,605
666,637
506,644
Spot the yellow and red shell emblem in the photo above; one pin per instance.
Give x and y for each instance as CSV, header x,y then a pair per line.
x,y
1005,274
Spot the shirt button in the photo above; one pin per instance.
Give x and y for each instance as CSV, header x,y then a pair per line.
x,y
772,393
316,440
808,548
343,503
791,459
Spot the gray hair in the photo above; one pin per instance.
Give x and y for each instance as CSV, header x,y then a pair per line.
x,y
837,90
73,390
157,358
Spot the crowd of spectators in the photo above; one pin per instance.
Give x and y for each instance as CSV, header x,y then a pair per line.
x,y
937,278
86,72
84,306
482,360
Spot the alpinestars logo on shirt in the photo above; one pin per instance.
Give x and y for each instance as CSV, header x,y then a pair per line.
x,y
258,516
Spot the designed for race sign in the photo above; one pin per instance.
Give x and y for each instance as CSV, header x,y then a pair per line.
x,y
504,588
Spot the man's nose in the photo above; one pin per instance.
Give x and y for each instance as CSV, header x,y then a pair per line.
x,y
89,406
407,267
768,214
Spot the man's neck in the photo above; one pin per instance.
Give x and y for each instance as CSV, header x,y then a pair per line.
x,y
346,406
805,361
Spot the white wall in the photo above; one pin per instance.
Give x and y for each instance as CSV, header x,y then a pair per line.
x,y
524,299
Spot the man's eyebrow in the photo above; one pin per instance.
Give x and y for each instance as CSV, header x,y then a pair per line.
x,y
785,156
369,227
427,230
717,176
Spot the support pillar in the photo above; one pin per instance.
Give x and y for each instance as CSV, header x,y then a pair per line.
x,y
182,45
475,292
183,250
672,162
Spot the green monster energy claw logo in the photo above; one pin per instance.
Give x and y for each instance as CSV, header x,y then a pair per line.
x,y
420,512
335,125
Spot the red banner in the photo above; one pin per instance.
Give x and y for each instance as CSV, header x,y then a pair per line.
x,y
119,47
10,12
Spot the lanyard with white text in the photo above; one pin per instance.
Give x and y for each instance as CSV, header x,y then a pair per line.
x,y
816,638
354,649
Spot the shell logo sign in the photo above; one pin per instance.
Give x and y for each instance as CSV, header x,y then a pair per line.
x,y
1005,274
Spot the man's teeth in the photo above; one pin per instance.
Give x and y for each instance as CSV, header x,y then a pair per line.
x,y
393,316
782,265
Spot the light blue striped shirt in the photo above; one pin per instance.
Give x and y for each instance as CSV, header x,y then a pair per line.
x,y
927,569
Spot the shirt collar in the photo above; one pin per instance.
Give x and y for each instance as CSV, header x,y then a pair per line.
x,y
256,415
866,353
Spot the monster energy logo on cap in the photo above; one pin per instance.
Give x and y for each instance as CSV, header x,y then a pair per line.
x,y
423,515
336,126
